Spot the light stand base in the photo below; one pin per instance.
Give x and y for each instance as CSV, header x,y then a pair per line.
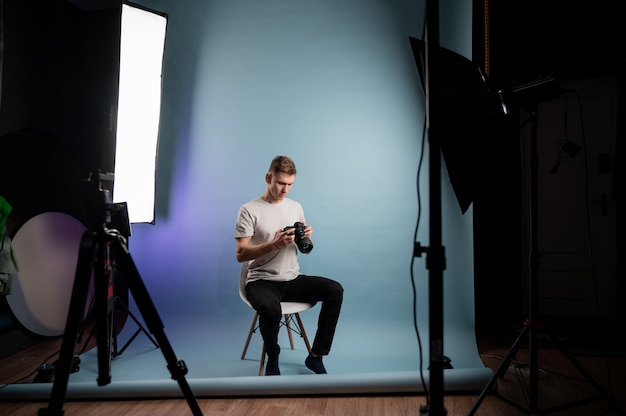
x,y
114,335
530,329
140,328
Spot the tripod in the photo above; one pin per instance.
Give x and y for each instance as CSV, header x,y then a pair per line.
x,y
112,309
531,326
93,248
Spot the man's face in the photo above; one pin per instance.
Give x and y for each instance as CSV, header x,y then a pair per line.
x,y
279,185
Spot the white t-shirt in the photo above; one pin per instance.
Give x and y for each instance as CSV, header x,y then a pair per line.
x,y
260,220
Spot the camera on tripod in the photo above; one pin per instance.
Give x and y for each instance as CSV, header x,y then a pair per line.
x,y
102,251
100,211
304,243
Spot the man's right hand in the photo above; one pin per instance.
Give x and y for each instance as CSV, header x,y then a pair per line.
x,y
283,238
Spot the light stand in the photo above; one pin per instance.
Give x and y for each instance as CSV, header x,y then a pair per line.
x,y
454,86
435,253
534,93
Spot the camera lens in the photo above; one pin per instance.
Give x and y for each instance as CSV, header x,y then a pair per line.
x,y
304,243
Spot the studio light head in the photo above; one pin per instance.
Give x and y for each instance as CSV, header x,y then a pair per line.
x,y
535,92
474,115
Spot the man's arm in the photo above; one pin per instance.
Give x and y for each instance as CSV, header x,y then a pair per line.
x,y
246,251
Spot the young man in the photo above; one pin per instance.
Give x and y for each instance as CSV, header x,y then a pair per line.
x,y
270,250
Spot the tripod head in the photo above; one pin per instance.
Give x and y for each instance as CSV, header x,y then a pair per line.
x,y
101,213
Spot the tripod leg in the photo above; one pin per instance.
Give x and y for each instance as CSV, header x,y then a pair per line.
x,y
506,362
76,310
102,276
177,368
83,325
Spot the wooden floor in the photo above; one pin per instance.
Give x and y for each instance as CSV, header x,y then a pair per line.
x,y
558,383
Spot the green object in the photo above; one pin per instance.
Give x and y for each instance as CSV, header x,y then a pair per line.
x,y
8,265
5,210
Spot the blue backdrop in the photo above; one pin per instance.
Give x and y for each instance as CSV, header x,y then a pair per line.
x,y
334,85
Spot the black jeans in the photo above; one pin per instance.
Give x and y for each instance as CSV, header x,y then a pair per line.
x,y
265,297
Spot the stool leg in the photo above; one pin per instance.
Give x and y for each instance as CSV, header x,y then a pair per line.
x,y
289,330
252,328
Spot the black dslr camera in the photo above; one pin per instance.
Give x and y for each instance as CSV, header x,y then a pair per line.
x,y
100,211
304,243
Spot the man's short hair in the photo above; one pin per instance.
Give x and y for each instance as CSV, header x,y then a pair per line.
x,y
283,164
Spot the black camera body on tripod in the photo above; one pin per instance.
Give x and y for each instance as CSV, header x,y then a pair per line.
x,y
304,243
100,210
